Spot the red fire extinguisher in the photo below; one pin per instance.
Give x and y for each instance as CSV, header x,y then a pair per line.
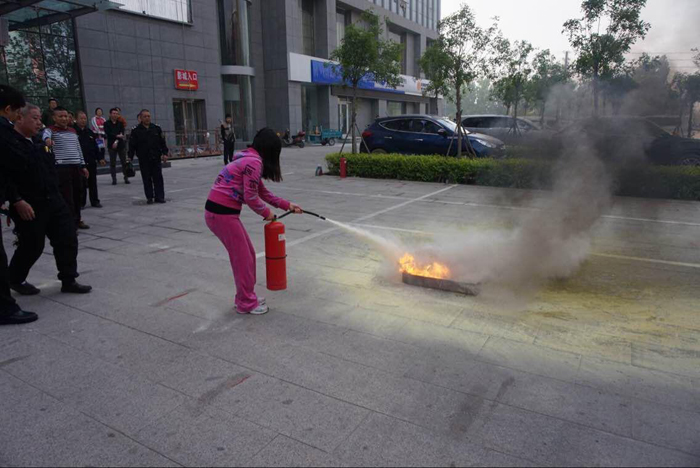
x,y
275,256
343,167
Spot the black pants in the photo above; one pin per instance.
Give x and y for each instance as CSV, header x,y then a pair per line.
x,y
152,175
228,150
90,185
55,222
113,162
7,302
70,182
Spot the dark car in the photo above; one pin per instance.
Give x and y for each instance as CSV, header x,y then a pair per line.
x,y
425,134
623,139
503,128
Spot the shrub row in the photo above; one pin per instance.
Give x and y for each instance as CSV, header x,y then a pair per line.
x,y
682,183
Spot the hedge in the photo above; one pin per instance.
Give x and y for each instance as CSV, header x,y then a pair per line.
x,y
675,182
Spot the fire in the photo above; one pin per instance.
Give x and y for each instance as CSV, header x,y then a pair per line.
x,y
434,270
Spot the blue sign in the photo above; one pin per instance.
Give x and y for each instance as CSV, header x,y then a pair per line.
x,y
325,74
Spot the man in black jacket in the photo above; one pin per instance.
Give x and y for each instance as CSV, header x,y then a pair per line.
x,y
51,218
12,158
116,144
148,143
92,154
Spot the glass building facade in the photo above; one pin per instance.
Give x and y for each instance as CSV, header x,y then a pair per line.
x,y
424,12
42,62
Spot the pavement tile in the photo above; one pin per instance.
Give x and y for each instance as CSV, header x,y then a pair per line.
x,y
385,441
553,442
286,452
195,436
669,427
485,324
675,360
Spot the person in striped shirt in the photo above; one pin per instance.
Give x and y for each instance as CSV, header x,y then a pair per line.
x,y
70,163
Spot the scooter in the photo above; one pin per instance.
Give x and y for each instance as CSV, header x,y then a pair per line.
x,y
298,139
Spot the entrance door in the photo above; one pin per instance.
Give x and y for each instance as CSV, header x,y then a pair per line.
x,y
344,116
190,121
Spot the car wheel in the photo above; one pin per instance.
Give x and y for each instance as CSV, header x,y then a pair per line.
x,y
378,151
690,160
331,142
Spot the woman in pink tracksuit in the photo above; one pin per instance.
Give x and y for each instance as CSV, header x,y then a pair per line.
x,y
240,183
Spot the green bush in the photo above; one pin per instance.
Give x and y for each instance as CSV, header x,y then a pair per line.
x,y
674,182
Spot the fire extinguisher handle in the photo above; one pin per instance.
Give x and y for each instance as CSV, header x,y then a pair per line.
x,y
286,214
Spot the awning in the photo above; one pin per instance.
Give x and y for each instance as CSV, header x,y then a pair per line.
x,y
25,14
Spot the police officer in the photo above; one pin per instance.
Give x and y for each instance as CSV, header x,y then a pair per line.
x,y
12,159
148,143
51,218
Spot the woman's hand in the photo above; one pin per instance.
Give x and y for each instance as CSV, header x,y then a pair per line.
x,y
271,217
295,208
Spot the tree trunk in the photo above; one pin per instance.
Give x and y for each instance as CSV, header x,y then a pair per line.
x,y
595,94
514,127
690,119
544,106
353,119
458,101
508,109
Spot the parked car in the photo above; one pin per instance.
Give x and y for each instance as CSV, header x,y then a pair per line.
x,y
620,139
425,134
503,128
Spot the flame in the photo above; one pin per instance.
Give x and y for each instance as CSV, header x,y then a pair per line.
x,y
434,270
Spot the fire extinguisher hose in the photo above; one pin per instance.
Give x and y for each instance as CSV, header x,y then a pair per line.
x,y
305,212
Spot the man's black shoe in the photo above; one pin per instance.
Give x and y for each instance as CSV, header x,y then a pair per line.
x,y
18,318
25,289
75,288
160,201
97,205
126,181
114,181
149,201
82,225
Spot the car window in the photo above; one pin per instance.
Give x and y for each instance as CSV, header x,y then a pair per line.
x,y
525,125
399,124
500,122
472,122
430,127
414,126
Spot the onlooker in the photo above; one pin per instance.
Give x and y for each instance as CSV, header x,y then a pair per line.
x,y
71,119
116,144
148,143
97,125
91,154
70,163
13,160
50,217
47,116
121,117
228,135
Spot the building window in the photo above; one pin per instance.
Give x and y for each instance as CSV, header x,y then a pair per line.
x,y
173,10
395,108
400,38
309,108
234,32
41,62
238,101
190,117
307,26
341,20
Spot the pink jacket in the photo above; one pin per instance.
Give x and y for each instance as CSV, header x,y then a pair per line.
x,y
239,183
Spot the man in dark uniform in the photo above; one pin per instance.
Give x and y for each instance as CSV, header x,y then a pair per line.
x,y
38,185
92,154
12,158
148,143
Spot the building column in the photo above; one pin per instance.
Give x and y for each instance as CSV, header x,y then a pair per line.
x,y
381,107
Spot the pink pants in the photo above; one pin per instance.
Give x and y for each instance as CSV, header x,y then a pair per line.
x,y
230,231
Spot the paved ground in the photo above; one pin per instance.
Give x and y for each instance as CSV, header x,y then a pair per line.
x,y
351,368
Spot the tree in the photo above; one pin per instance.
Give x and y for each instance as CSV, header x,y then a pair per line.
x,y
434,64
466,52
548,73
515,70
601,53
688,88
363,55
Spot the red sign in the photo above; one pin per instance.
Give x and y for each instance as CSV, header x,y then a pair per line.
x,y
186,79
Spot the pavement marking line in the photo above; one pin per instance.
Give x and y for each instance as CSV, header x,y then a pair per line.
x,y
363,218
648,220
648,260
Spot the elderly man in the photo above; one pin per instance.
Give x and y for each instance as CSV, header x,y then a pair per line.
x,y
39,186
148,143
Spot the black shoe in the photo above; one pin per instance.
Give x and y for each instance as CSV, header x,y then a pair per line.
x,y
82,225
97,205
75,287
18,318
114,181
25,289
149,201
126,181
159,201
